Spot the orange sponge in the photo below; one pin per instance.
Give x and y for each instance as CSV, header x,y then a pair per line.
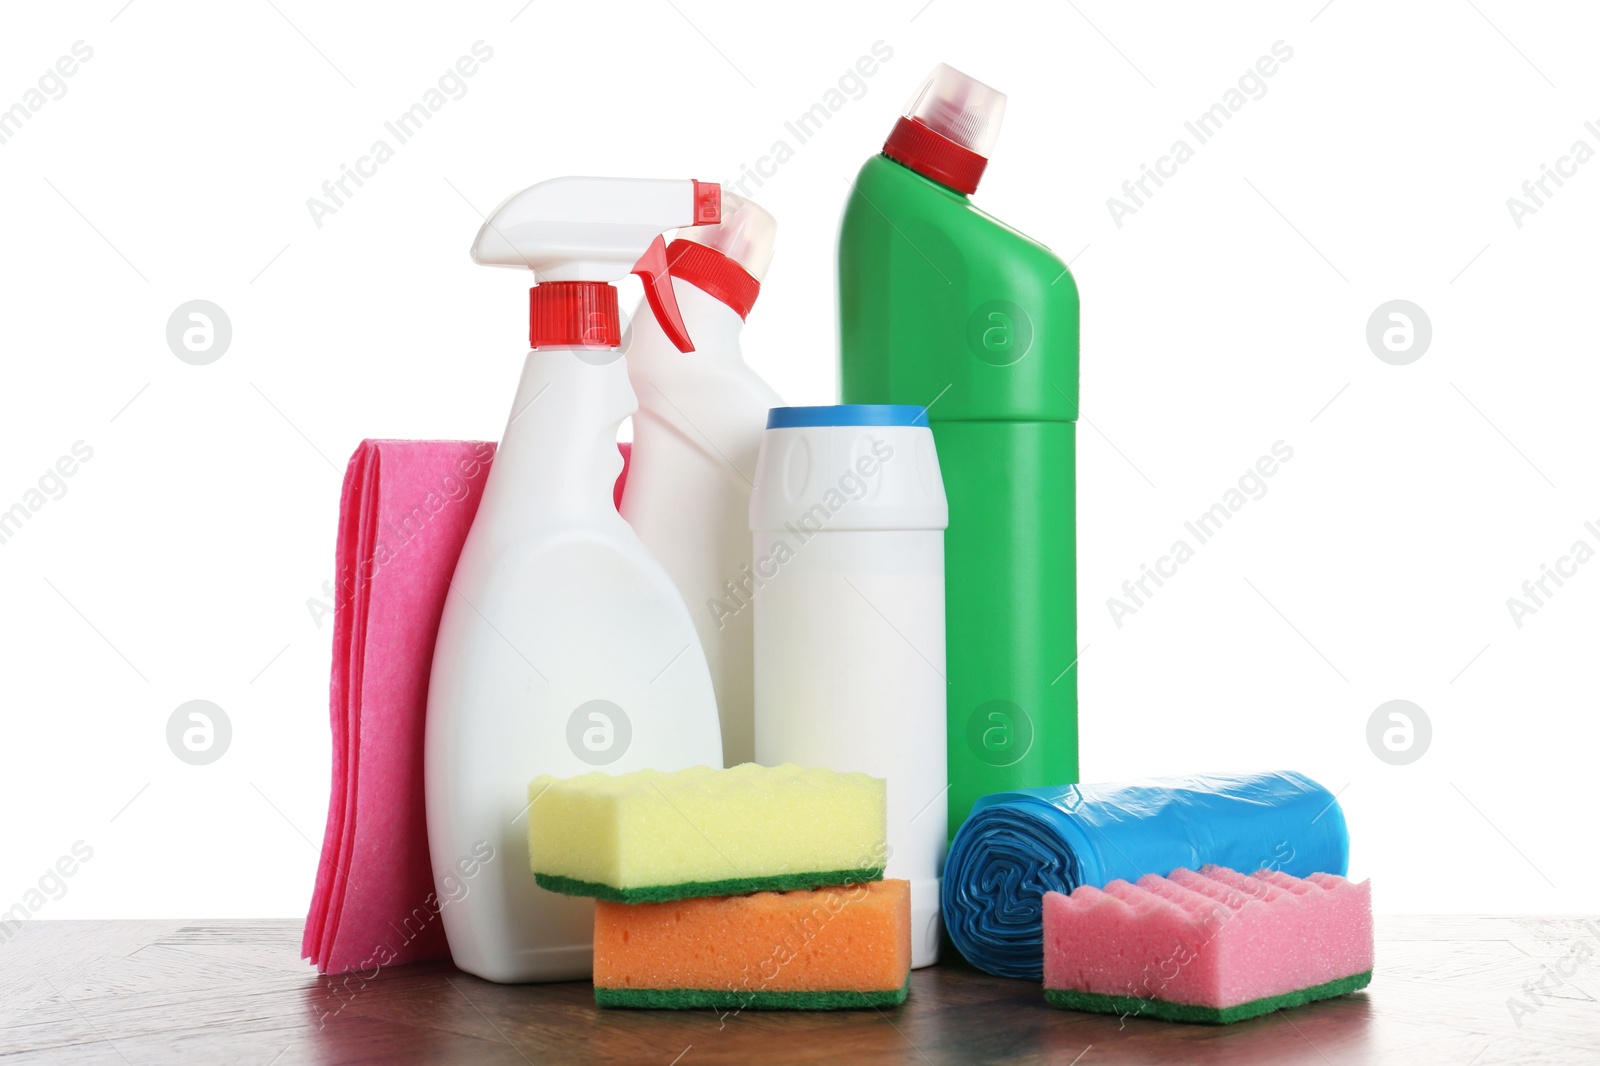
x,y
827,948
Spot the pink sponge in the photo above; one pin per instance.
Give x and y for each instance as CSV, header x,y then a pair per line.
x,y
1214,946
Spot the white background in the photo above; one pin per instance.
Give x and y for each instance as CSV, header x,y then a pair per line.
x,y
1228,313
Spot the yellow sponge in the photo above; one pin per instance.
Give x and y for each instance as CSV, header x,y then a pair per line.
x,y
653,836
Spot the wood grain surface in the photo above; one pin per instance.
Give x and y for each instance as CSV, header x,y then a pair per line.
x,y
1465,990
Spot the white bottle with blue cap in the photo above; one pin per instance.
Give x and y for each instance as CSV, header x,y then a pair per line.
x,y
848,517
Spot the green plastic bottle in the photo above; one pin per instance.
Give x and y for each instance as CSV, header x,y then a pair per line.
x,y
943,306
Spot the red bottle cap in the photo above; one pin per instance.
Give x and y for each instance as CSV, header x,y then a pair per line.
x,y
948,129
714,273
573,314
913,144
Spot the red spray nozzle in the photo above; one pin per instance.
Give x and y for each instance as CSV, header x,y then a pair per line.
x,y
707,203
652,270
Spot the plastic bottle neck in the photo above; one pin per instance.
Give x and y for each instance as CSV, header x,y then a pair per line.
x,y
715,327
558,459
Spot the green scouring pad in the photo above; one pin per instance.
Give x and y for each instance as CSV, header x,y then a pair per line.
x,y
734,999
1134,1007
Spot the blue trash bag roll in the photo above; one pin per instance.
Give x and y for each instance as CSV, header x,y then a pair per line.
x,y
1016,846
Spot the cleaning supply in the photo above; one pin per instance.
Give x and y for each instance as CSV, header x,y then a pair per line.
x,y
563,646
829,948
701,832
1018,845
943,306
848,518
404,512
1214,946
694,445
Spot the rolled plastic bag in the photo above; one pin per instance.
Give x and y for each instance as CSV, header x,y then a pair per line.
x,y
1016,846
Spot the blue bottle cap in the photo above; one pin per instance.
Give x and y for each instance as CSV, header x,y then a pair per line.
x,y
848,414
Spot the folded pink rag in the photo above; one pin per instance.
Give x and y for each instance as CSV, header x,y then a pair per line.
x,y
404,514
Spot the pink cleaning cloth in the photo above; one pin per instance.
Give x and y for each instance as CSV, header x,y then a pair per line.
x,y
404,514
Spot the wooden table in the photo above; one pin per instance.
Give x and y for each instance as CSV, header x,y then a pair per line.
x,y
236,992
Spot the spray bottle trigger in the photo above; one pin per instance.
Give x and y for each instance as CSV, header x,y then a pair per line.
x,y
652,270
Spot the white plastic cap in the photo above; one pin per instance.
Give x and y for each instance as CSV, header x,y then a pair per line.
x,y
746,234
959,108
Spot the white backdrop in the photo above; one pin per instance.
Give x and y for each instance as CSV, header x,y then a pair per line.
x,y
184,556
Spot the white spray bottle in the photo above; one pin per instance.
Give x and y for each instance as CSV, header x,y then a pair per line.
x,y
695,441
564,646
